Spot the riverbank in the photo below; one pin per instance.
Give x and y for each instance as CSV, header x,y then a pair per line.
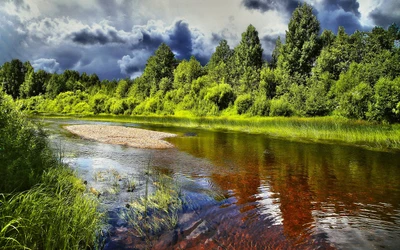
x,y
317,129
133,137
43,204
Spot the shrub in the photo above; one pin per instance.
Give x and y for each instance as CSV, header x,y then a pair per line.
x,y
280,107
386,101
243,103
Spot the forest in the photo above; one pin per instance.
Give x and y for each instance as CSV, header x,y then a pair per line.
x,y
311,73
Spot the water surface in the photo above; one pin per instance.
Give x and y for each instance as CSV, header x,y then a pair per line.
x,y
276,193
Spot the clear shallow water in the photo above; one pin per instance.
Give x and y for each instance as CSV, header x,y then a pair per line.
x,y
278,193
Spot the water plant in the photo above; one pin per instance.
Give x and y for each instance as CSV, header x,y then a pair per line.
x,y
158,209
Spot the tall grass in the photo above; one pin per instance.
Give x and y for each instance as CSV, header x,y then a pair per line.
x,y
326,129
55,214
42,203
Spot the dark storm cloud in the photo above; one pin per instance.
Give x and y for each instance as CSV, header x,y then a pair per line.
x,y
386,13
332,21
351,6
46,64
67,58
98,36
265,5
12,39
181,40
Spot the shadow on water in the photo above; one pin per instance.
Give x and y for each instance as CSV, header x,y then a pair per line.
x,y
243,191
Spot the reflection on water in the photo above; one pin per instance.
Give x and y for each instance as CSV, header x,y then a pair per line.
x,y
278,194
347,194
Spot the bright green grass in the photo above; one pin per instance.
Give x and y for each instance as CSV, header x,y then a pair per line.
x,y
55,214
325,129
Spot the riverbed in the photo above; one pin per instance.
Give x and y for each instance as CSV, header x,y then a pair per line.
x,y
245,191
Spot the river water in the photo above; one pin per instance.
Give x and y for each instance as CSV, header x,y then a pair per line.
x,y
276,194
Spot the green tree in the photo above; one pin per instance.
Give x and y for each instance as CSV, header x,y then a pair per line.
x,y
160,65
186,73
55,86
302,46
247,58
219,61
121,89
12,76
34,83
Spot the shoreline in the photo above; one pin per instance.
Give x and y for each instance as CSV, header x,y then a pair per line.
x,y
132,137
372,136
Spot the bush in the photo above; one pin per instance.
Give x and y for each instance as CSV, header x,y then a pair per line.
x,y
386,101
222,95
24,151
280,107
243,103
354,103
42,204
261,106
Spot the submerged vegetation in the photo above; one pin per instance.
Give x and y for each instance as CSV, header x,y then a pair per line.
x,y
43,205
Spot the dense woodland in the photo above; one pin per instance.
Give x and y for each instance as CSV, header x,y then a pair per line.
x,y
312,73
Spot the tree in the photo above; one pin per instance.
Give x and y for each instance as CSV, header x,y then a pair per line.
x,y
55,86
302,44
12,76
219,61
34,83
158,66
121,89
247,58
186,72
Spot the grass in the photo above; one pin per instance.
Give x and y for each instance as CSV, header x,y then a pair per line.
x,y
156,211
321,129
55,214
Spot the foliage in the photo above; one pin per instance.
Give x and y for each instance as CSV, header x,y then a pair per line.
x,y
386,105
24,152
302,43
310,74
42,203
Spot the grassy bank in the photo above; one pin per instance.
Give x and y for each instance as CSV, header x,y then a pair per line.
x,y
321,129
43,205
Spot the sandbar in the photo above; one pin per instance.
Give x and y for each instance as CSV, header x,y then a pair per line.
x,y
132,137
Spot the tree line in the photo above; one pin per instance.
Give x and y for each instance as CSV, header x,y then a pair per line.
x,y
311,73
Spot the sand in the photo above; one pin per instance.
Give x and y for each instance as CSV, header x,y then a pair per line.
x,y
132,137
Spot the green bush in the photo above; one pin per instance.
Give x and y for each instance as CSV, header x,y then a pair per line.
x,y
386,101
24,151
261,106
243,103
354,103
222,95
280,107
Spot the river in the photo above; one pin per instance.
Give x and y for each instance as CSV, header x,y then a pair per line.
x,y
272,193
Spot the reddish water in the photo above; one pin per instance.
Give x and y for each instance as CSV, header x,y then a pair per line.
x,y
278,194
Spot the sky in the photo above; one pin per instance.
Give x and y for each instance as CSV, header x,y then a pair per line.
x,y
114,38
